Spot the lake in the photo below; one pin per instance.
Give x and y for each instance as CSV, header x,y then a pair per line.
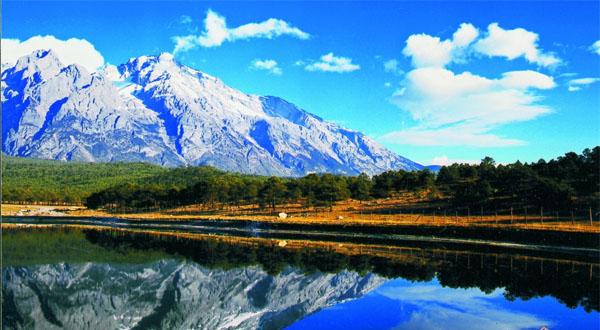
x,y
120,278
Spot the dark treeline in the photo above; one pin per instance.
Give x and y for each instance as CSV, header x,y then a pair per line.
x,y
570,181
222,189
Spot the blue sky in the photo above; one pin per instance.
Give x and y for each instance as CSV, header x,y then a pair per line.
x,y
434,82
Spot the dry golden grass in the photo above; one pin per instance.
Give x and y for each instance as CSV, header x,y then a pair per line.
x,y
381,212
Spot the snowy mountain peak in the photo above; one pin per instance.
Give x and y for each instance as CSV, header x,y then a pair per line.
x,y
39,56
165,57
154,109
43,62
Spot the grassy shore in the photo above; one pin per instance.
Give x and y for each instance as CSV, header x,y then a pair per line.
x,y
383,212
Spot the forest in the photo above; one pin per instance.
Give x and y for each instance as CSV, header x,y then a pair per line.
x,y
567,182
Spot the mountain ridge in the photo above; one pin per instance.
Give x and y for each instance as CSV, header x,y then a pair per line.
x,y
156,110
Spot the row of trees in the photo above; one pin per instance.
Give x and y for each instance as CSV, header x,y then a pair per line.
x,y
228,189
562,183
558,185
568,181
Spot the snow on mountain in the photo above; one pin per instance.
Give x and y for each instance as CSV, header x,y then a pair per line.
x,y
169,294
154,109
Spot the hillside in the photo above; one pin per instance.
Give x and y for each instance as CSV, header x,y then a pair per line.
x,y
26,179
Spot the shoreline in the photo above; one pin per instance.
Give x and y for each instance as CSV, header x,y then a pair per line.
x,y
478,237
341,217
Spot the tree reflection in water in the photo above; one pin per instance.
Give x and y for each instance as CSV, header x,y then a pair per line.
x,y
573,281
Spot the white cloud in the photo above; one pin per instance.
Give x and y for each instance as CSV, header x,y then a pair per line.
x,y
216,32
392,67
70,51
441,97
332,63
526,79
268,65
513,44
463,109
452,136
387,84
184,43
426,50
112,72
595,47
575,85
185,19
465,35
445,161
583,81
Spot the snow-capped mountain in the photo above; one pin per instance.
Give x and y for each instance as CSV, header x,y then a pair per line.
x,y
169,294
154,109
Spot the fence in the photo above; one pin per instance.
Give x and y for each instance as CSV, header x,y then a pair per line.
x,y
41,203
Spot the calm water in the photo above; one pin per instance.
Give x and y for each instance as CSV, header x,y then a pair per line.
x,y
108,279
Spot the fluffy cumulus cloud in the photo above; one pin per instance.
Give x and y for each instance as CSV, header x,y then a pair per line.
x,y
595,47
216,32
426,50
270,66
70,51
513,44
463,108
332,63
575,85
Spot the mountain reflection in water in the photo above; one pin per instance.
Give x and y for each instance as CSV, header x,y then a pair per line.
x,y
87,278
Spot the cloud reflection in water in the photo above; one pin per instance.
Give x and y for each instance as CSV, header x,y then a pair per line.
x,y
438,307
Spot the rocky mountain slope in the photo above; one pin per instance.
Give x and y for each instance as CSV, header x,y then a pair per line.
x,y
155,110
